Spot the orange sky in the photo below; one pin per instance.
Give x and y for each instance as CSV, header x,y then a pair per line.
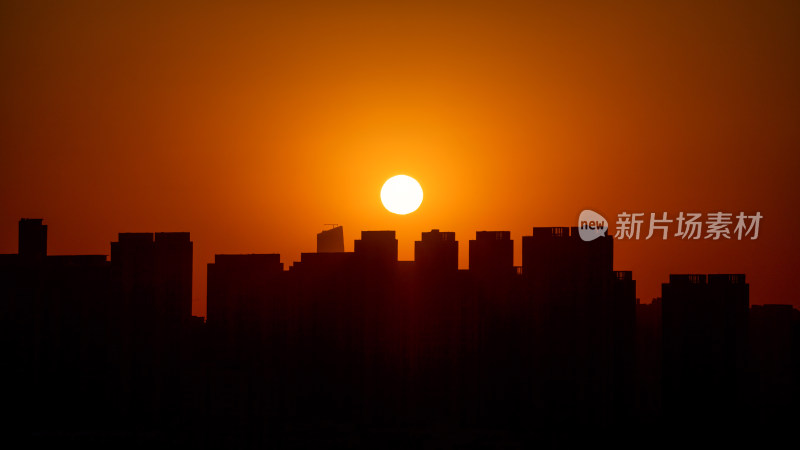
x,y
251,126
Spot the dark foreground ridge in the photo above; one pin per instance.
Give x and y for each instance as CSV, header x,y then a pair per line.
x,y
358,349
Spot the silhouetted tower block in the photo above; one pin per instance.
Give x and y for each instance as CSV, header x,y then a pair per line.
x,y
330,241
328,325
570,286
239,290
569,280
32,240
556,261
173,275
774,390
71,343
623,341
547,252
236,283
491,271
437,252
704,343
154,276
491,255
246,325
376,247
133,265
648,358
624,289
323,263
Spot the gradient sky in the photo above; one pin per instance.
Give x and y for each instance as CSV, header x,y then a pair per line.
x,y
252,125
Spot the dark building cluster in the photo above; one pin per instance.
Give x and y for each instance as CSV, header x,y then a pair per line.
x,y
358,348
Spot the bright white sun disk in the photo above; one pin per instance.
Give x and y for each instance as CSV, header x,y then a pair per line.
x,y
401,194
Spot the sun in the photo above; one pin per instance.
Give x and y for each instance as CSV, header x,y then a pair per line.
x,y
401,194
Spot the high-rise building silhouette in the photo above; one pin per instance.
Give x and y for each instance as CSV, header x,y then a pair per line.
x,y
557,260
773,355
704,326
32,240
361,341
154,275
247,325
238,285
491,254
647,385
152,287
330,241
436,252
622,343
376,247
133,264
54,317
570,283
173,275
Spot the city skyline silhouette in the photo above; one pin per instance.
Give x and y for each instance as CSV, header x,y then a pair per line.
x,y
363,348
291,115
400,224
